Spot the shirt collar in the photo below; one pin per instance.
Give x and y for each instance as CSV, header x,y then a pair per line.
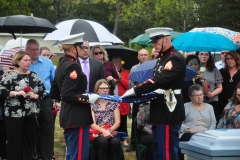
x,y
81,60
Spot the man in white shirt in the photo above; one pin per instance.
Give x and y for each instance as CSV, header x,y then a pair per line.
x,y
220,64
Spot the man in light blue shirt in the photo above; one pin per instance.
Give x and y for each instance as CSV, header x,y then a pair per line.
x,y
45,70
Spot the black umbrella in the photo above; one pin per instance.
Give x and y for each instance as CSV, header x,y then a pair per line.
x,y
25,24
128,55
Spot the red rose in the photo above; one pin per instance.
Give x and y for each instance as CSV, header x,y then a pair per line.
x,y
54,112
91,137
26,89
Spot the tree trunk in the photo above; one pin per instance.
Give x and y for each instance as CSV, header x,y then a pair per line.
x,y
57,9
116,24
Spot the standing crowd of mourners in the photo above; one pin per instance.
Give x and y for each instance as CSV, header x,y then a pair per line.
x,y
34,88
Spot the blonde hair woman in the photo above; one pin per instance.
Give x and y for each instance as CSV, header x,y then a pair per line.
x,y
23,90
98,52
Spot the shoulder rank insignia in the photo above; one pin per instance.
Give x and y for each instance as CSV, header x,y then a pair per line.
x,y
73,75
168,66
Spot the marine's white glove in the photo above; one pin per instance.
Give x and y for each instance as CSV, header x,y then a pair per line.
x,y
129,92
93,98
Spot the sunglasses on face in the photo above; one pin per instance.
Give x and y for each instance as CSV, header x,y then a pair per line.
x,y
96,53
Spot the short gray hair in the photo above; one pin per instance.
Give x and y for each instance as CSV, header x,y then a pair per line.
x,y
195,87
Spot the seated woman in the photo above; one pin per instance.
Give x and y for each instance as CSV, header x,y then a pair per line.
x,y
231,113
199,115
105,112
145,136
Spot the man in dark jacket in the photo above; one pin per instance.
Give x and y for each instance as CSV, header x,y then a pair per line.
x,y
167,111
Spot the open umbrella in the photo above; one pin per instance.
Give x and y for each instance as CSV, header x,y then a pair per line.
x,y
145,71
203,41
218,30
128,55
143,39
94,32
25,24
7,55
237,39
14,43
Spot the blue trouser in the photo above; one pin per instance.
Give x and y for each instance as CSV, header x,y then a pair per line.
x,y
77,141
165,142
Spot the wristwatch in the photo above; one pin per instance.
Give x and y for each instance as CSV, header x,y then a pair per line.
x,y
202,80
110,130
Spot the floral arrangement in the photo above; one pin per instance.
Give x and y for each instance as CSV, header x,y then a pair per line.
x,y
95,133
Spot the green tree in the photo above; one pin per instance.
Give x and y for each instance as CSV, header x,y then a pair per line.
x,y
14,7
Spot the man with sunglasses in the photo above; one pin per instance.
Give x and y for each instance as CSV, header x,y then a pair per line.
x,y
220,64
92,68
167,110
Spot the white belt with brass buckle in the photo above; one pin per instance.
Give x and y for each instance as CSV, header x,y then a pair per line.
x,y
162,91
169,96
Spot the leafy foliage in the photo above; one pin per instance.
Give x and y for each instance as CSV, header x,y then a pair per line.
x,y
129,18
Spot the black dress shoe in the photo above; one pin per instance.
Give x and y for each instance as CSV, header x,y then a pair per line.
x,y
131,148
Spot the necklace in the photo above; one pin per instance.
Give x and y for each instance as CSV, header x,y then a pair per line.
x,y
231,80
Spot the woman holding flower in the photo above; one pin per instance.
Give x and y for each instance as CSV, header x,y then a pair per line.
x,y
23,90
98,52
105,113
213,78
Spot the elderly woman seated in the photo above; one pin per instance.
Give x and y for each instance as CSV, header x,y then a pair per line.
x,y
199,115
231,117
106,118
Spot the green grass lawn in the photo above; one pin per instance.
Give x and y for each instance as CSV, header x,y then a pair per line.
x,y
59,143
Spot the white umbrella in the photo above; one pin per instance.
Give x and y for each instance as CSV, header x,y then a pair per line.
x,y
14,43
94,32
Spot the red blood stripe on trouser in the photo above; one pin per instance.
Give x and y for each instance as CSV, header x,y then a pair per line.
x,y
167,144
80,145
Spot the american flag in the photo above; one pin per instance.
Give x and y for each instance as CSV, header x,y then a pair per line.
x,y
7,55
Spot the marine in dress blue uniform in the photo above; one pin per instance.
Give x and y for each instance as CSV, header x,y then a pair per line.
x,y
69,87
167,111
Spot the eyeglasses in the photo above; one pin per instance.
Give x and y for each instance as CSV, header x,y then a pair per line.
x,y
96,53
204,54
104,88
197,95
